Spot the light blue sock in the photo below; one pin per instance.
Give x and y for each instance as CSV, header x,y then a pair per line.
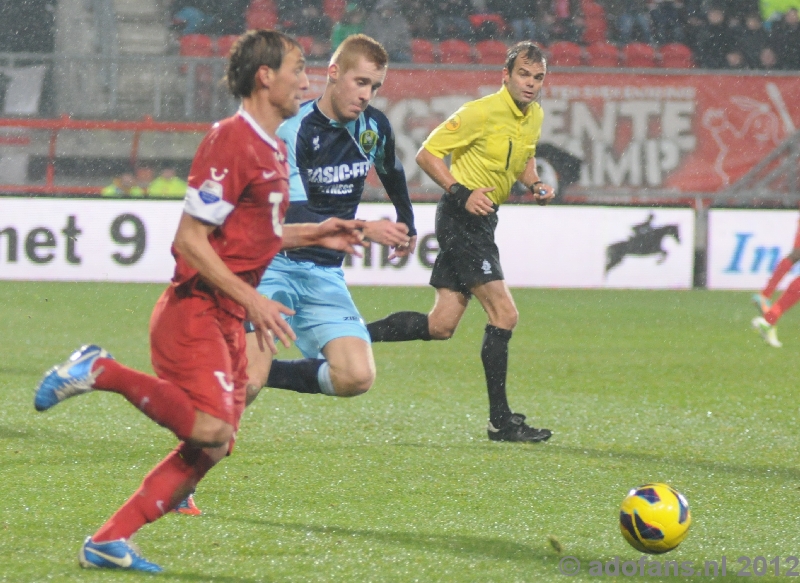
x,y
324,379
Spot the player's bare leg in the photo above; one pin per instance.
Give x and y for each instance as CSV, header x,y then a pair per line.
x,y
352,366
448,309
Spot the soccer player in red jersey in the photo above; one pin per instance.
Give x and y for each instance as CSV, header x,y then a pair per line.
x,y
771,313
229,231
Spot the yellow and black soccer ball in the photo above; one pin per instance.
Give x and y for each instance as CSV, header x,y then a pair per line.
x,y
654,518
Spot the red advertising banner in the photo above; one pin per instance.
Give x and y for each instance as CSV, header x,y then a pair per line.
x,y
661,132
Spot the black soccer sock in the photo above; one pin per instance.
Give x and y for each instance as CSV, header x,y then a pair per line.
x,y
301,376
399,327
494,354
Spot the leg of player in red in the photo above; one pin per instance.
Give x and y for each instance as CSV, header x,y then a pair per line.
x,y
762,299
770,314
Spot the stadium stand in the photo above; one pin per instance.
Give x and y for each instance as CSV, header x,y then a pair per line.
x,y
455,52
491,52
307,43
565,54
334,9
596,27
639,55
602,54
224,44
262,14
422,51
196,45
676,56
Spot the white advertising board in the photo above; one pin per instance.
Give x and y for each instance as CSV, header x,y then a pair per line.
x,y
557,247
120,240
87,240
745,245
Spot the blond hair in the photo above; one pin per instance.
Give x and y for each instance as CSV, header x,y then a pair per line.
x,y
359,45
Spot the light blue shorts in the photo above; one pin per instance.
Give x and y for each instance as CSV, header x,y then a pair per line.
x,y
319,296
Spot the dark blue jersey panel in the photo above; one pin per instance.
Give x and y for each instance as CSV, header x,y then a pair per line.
x,y
329,163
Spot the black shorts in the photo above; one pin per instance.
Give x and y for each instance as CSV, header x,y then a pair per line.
x,y
468,255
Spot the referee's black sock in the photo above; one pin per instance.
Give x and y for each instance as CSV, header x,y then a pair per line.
x,y
494,354
301,376
399,327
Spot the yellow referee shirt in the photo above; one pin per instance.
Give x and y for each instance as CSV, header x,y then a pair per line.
x,y
491,141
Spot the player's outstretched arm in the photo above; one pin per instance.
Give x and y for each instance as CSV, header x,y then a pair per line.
x,y
333,233
386,232
191,241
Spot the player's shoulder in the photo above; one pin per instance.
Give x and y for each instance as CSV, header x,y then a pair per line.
x,y
373,113
289,129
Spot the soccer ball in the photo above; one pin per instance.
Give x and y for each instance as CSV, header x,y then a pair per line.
x,y
654,518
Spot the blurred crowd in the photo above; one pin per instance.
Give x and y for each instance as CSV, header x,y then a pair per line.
x,y
144,183
722,34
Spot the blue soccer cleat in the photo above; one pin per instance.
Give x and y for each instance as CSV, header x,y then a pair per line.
x,y
761,303
188,507
74,377
115,554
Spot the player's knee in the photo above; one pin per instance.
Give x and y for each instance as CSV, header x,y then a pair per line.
x,y
442,330
211,432
794,256
357,384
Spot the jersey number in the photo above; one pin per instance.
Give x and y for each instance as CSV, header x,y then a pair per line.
x,y
276,198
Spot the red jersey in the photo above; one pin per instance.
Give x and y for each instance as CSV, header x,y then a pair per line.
x,y
239,181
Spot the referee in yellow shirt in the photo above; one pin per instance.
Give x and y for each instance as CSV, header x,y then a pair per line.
x,y
492,141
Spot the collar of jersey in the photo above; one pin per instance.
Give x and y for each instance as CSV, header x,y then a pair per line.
x,y
510,101
331,121
257,128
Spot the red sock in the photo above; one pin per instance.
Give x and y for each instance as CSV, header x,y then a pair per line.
x,y
165,403
783,267
162,489
788,298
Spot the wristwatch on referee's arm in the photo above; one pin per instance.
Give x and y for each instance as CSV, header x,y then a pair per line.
x,y
458,194
536,188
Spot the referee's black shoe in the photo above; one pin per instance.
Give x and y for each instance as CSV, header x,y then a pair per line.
x,y
517,430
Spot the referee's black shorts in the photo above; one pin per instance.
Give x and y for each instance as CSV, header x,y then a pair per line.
x,y
468,255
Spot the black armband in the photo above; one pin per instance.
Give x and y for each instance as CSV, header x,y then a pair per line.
x,y
458,194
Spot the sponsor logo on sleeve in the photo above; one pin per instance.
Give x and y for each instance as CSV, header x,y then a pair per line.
x,y
210,191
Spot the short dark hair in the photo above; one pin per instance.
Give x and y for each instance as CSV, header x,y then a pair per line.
x,y
528,50
254,49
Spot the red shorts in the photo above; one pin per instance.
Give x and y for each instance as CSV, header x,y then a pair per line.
x,y
201,348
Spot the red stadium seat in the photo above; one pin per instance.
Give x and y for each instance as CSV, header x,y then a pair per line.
x,y
602,54
334,9
422,51
491,52
595,30
224,44
593,10
676,56
639,55
261,14
196,45
565,54
259,19
455,52
476,20
306,43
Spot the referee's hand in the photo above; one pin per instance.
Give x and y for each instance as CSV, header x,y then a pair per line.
x,y
478,203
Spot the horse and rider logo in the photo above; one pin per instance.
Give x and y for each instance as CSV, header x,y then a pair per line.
x,y
645,240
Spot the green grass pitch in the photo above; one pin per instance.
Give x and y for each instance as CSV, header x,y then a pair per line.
x,y
401,484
